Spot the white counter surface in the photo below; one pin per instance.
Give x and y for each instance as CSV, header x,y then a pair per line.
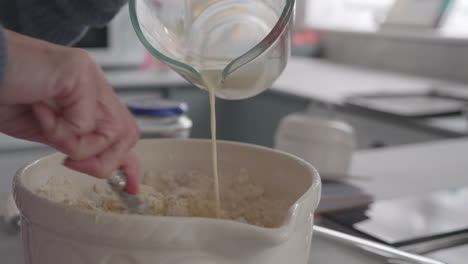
x,y
332,83
413,169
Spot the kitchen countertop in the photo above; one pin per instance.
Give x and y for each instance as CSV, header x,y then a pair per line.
x,y
332,83
412,169
415,170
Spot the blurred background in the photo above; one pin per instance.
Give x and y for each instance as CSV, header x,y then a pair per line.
x,y
375,91
342,49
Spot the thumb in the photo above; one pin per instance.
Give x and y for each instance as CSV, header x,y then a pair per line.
x,y
58,126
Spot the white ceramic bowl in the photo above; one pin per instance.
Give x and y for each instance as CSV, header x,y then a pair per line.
x,y
55,234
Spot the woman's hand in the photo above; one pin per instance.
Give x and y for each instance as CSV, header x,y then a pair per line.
x,y
58,96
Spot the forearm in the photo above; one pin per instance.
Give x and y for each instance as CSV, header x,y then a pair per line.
x,y
63,21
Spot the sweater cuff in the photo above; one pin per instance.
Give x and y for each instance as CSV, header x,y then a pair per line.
x,y
63,21
3,56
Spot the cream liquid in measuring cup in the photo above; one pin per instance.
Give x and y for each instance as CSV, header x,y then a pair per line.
x,y
243,83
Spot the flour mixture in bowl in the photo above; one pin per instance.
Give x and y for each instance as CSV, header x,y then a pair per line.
x,y
178,193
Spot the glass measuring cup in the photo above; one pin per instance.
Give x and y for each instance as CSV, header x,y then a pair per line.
x,y
240,45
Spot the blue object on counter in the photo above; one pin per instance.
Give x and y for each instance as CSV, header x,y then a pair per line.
x,y
156,107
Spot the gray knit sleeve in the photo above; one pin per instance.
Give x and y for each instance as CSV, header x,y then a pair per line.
x,y
63,21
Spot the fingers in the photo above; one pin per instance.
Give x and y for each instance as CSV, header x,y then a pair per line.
x,y
89,145
54,127
86,121
62,135
74,109
104,161
104,164
73,98
131,168
82,121
79,99
130,165
115,156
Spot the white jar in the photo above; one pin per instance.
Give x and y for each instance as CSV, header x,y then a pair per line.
x,y
159,118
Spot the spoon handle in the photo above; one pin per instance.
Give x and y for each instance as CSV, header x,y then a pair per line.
x,y
134,203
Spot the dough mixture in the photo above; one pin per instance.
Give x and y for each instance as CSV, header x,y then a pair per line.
x,y
176,193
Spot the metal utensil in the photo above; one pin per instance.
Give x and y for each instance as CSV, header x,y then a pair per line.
x,y
134,203
392,254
